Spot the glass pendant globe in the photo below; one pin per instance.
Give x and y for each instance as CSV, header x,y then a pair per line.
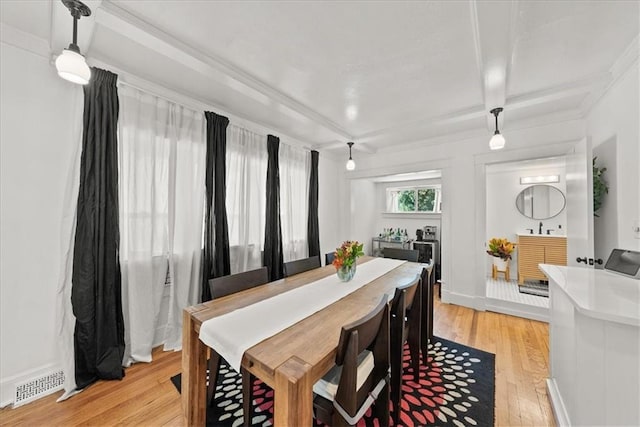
x,y
351,165
496,142
72,66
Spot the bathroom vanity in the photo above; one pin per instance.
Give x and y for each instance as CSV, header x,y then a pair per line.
x,y
594,347
535,249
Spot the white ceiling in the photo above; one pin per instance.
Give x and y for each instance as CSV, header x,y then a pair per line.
x,y
381,74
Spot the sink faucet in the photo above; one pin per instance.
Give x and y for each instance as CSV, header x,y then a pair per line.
x,y
540,228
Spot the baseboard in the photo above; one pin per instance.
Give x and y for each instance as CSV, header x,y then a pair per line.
x,y
471,301
517,309
559,410
8,385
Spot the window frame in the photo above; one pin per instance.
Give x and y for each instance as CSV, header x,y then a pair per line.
x,y
391,191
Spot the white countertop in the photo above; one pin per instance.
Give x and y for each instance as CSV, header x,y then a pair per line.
x,y
598,293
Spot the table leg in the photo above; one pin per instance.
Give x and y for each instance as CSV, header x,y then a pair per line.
x,y
194,361
293,394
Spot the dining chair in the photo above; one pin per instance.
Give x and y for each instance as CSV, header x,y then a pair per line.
x,y
426,325
405,254
220,287
301,265
328,258
405,318
360,377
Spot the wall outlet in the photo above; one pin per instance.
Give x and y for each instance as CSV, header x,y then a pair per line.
x,y
636,229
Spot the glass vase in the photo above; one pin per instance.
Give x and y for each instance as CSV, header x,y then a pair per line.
x,y
346,273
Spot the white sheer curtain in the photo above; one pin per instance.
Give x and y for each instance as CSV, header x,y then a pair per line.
x,y
161,167
295,167
246,197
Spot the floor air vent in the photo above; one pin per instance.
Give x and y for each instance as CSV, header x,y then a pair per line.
x,y
38,387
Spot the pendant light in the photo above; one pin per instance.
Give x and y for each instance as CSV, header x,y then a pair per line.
x,y
351,165
70,64
497,140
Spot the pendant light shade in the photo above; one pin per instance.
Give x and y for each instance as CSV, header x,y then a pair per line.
x,y
351,165
71,65
497,140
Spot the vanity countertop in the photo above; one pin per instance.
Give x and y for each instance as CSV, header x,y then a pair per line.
x,y
597,293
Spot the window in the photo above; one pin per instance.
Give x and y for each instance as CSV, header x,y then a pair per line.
x,y
425,199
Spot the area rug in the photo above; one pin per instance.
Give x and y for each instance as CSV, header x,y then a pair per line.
x,y
534,288
457,389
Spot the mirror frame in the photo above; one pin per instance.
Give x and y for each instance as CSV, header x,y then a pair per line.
x,y
564,201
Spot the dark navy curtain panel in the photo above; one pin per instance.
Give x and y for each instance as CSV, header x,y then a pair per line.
x,y
216,261
96,293
273,254
313,229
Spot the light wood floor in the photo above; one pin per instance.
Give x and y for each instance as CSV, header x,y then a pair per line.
x,y
146,396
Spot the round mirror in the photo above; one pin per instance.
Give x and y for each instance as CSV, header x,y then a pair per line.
x,y
540,201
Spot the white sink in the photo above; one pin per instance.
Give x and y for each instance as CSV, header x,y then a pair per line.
x,y
541,235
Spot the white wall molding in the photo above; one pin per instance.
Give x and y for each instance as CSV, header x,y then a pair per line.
x,y
193,102
471,301
25,41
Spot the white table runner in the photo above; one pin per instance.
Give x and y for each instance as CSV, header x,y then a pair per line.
x,y
233,333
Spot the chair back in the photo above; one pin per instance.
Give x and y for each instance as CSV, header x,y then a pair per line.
x,y
404,298
226,285
371,332
405,254
301,265
328,258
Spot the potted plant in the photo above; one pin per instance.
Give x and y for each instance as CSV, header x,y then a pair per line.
x,y
501,249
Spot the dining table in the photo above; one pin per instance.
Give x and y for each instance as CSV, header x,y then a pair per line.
x,y
293,359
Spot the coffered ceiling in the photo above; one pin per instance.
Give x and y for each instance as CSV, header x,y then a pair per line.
x,y
383,74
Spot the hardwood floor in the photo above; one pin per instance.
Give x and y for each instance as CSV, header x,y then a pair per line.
x,y
146,396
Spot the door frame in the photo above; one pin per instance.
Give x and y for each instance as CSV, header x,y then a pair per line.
x,y
559,149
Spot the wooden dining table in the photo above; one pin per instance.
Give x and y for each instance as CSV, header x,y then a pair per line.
x,y
291,361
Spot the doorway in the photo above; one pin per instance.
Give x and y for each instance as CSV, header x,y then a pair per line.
x,y
523,198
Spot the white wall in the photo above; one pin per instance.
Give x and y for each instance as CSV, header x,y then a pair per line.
x,y
36,121
615,116
503,218
363,212
331,204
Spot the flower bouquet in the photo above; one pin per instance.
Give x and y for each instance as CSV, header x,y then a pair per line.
x,y
344,259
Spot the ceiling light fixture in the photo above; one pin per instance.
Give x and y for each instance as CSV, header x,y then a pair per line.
x,y
70,64
539,179
351,165
497,140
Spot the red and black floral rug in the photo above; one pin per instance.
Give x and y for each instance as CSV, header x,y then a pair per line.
x,y
456,389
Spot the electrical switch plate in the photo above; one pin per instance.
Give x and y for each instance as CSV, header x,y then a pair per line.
x,y
636,229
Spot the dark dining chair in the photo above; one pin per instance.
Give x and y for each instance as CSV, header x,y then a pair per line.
x,y
405,254
426,325
405,318
221,287
329,257
360,377
301,265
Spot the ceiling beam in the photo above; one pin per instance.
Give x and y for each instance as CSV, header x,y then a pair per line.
x,y
125,23
494,27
